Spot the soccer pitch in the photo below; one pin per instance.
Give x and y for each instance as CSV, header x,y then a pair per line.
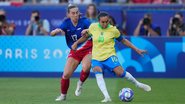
x,y
45,90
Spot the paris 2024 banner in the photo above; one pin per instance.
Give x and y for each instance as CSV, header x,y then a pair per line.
x,y
165,57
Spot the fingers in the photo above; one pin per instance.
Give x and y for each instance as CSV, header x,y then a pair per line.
x,y
73,47
142,52
52,33
84,34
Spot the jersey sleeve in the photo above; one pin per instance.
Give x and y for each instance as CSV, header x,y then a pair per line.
x,y
116,32
90,29
63,25
87,23
118,36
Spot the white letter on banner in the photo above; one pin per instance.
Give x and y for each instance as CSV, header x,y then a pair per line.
x,y
26,53
46,54
57,53
33,53
8,53
18,53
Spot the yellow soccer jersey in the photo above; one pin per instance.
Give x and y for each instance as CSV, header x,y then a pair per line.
x,y
103,41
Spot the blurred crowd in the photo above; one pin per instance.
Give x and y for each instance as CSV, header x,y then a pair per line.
x,y
99,1
145,27
5,27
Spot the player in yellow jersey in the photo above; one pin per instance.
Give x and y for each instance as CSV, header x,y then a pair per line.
x,y
104,54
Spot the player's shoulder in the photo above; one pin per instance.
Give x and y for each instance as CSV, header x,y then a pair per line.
x,y
113,27
94,24
83,18
66,20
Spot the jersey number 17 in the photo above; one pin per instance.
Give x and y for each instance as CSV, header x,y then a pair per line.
x,y
74,37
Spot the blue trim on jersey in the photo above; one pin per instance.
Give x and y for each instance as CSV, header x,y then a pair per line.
x,y
73,33
120,38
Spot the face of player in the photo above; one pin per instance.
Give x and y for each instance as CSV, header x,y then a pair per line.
x,y
104,21
91,11
74,14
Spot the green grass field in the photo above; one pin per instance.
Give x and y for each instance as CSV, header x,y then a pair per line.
x,y
45,90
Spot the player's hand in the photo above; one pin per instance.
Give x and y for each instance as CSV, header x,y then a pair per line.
x,y
74,46
141,52
84,32
54,32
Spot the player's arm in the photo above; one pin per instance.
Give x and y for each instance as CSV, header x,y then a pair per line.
x,y
57,31
120,38
129,44
84,38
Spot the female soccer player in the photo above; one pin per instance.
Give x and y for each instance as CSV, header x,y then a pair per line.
x,y
72,28
104,55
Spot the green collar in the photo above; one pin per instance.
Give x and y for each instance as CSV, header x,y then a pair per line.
x,y
101,26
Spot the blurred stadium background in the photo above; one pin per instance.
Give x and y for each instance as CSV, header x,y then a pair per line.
x,y
31,66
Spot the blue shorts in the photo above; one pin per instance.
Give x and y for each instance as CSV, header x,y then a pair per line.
x,y
110,63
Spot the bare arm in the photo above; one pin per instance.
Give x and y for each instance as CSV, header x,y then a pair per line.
x,y
168,33
57,31
137,30
129,44
84,37
28,29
